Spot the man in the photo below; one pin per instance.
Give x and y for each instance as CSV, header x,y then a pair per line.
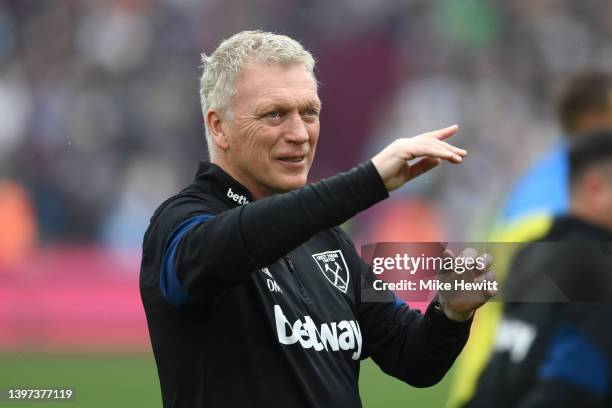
x,y
584,106
252,294
554,344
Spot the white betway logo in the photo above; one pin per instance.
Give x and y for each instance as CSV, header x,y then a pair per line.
x,y
515,337
342,335
240,199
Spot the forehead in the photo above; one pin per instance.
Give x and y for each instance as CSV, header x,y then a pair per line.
x,y
594,120
260,83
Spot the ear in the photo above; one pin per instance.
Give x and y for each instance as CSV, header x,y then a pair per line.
x,y
214,121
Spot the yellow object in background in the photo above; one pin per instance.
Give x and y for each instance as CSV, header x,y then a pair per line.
x,y
476,353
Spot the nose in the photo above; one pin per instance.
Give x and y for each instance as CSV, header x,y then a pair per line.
x,y
296,131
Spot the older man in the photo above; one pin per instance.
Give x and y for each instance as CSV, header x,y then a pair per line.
x,y
252,293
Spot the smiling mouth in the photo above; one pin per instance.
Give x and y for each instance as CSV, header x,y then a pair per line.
x,y
292,159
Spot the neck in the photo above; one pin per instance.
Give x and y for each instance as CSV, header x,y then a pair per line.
x,y
257,191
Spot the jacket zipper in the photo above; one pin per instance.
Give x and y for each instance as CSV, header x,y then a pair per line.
x,y
298,282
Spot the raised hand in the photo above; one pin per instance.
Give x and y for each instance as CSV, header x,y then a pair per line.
x,y
478,283
393,164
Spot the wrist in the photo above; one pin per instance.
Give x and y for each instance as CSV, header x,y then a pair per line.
x,y
456,316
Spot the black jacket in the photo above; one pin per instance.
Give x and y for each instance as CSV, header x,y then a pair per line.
x,y
258,303
554,342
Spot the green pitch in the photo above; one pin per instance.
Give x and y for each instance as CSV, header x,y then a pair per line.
x,y
129,380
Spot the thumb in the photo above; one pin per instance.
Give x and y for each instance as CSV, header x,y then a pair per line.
x,y
422,166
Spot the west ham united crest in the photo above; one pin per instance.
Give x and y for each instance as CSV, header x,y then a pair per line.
x,y
333,266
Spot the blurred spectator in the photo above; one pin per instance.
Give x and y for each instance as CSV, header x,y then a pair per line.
x,y
88,89
18,225
584,106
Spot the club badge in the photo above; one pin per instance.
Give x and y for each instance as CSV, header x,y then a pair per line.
x,y
333,266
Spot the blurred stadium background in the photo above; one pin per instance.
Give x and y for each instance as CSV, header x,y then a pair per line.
x,y
100,121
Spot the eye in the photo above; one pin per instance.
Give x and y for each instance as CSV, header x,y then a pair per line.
x,y
312,112
273,115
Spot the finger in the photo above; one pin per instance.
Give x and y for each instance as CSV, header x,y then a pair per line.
x,y
447,253
486,260
419,147
469,254
431,141
453,157
457,150
444,133
449,153
423,166
486,292
437,152
490,276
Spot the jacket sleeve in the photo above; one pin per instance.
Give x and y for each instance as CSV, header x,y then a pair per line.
x,y
577,367
413,347
560,394
576,370
206,254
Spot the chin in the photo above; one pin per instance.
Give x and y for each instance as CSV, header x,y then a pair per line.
x,y
292,183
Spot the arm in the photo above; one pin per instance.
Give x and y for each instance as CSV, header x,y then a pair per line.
x,y
561,394
218,252
416,348
576,370
208,254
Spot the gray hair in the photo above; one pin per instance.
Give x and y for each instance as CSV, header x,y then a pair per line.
x,y
220,69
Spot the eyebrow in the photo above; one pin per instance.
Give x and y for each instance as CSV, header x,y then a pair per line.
x,y
282,104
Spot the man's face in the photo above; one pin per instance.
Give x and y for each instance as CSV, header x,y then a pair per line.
x,y
593,193
273,128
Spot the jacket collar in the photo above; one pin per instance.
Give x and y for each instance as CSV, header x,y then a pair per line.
x,y
570,224
223,186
